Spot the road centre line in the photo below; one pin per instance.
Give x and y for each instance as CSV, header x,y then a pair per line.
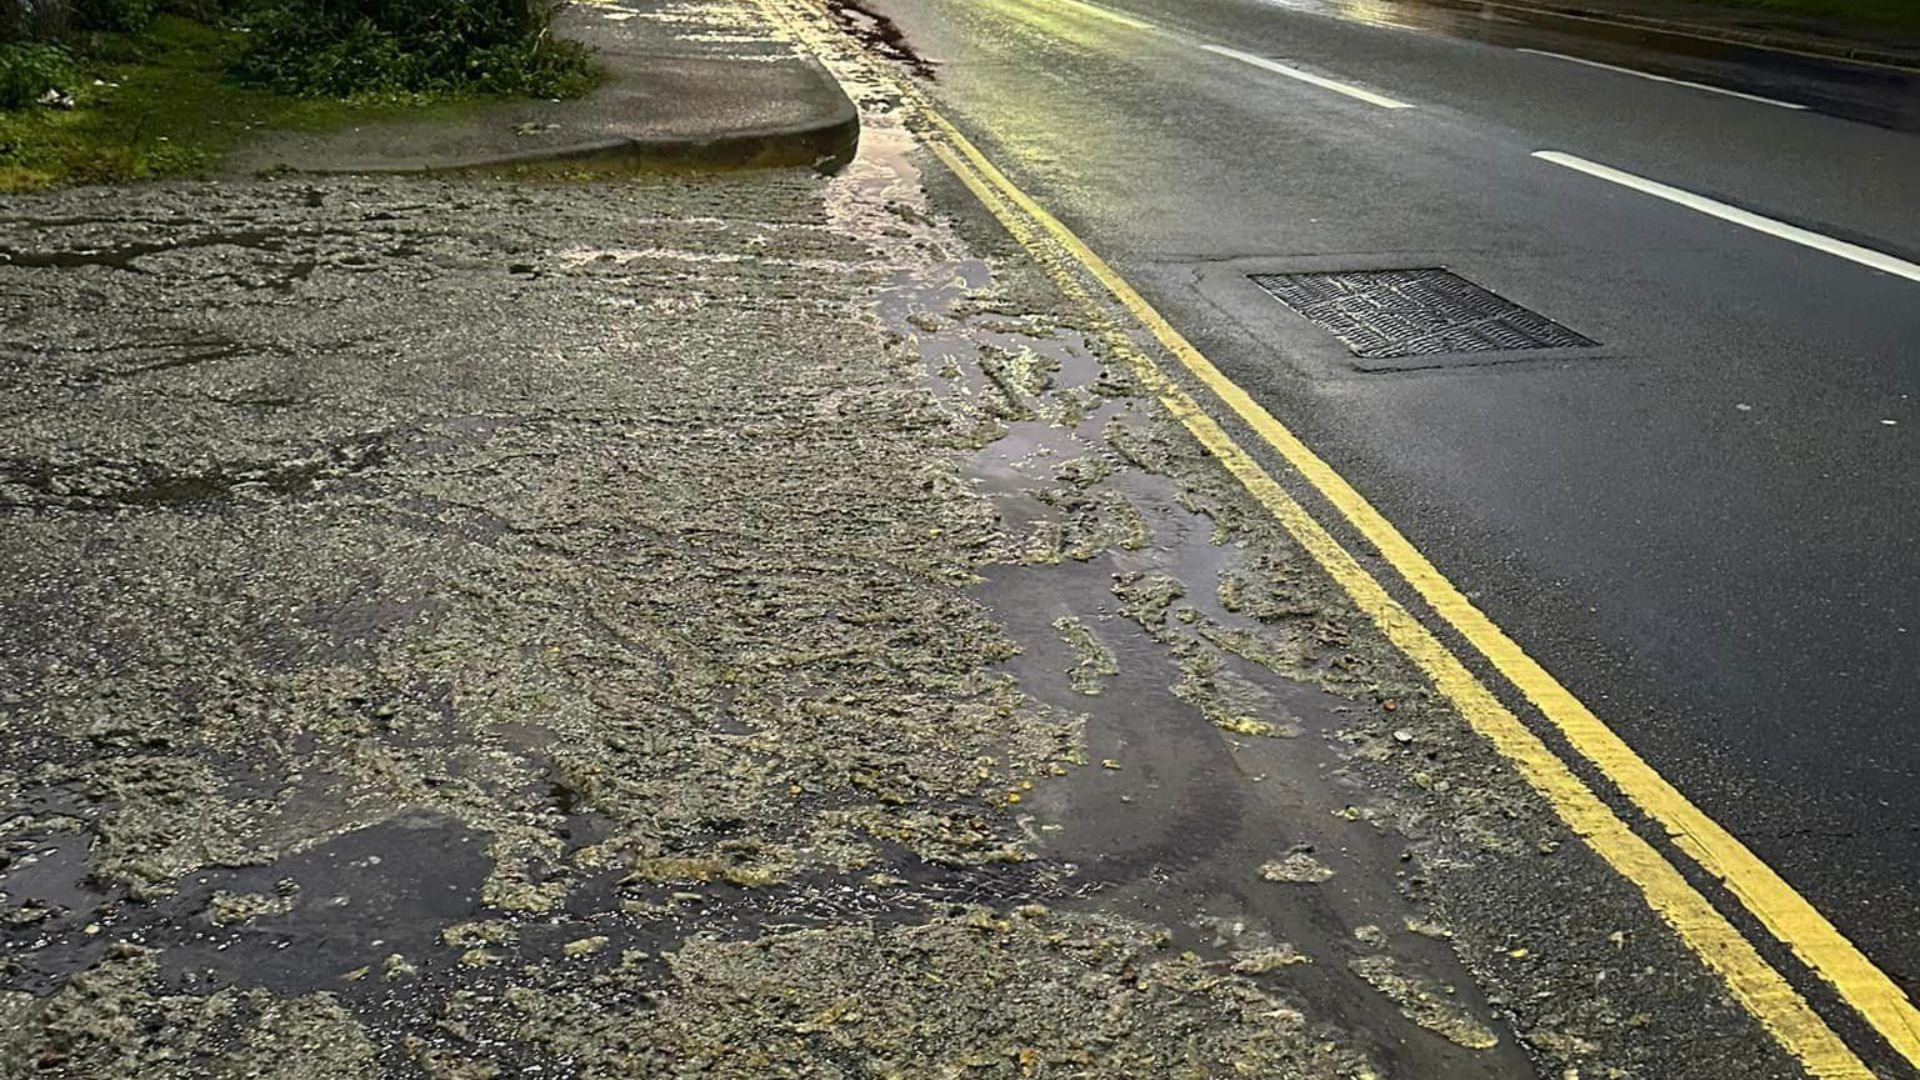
x,y
1662,78
1099,12
1291,72
1261,62
1750,979
1865,256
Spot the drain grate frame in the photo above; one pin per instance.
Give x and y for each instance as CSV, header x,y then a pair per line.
x,y
1425,311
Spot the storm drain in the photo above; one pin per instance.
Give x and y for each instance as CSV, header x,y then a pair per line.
x,y
1381,314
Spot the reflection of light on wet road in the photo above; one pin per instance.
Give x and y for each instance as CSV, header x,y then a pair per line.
x,y
1291,72
1369,11
1103,13
1037,14
1056,16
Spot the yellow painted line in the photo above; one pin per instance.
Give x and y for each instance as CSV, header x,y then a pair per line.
x,y
1778,907
1752,981
1782,910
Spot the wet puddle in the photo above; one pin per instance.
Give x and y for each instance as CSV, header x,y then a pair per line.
x,y
1175,812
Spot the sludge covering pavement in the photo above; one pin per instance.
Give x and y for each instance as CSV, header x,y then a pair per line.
x,y
734,628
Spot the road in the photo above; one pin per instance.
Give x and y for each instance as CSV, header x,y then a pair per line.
x,y
782,624
1705,525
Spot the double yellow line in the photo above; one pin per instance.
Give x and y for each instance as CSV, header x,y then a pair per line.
x,y
1765,993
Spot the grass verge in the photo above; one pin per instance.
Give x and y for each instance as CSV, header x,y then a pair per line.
x,y
162,105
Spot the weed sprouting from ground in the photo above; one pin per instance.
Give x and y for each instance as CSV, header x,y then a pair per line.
x,y
30,69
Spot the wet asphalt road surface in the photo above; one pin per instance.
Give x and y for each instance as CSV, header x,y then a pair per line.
x,y
1706,524
735,628
731,627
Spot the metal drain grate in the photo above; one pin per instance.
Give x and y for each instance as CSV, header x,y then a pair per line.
x,y
1387,313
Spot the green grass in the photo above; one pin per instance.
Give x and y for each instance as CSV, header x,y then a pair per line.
x,y
164,106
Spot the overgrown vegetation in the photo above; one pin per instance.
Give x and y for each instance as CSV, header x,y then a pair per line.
x,y
30,69
117,16
338,48
112,90
161,105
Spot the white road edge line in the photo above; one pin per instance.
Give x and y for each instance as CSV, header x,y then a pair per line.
x,y
1804,237
1278,68
1662,78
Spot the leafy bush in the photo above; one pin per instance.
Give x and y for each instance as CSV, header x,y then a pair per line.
x,y
30,69
208,12
338,48
118,16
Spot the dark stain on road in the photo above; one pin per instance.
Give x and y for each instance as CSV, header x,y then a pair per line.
x,y
880,34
